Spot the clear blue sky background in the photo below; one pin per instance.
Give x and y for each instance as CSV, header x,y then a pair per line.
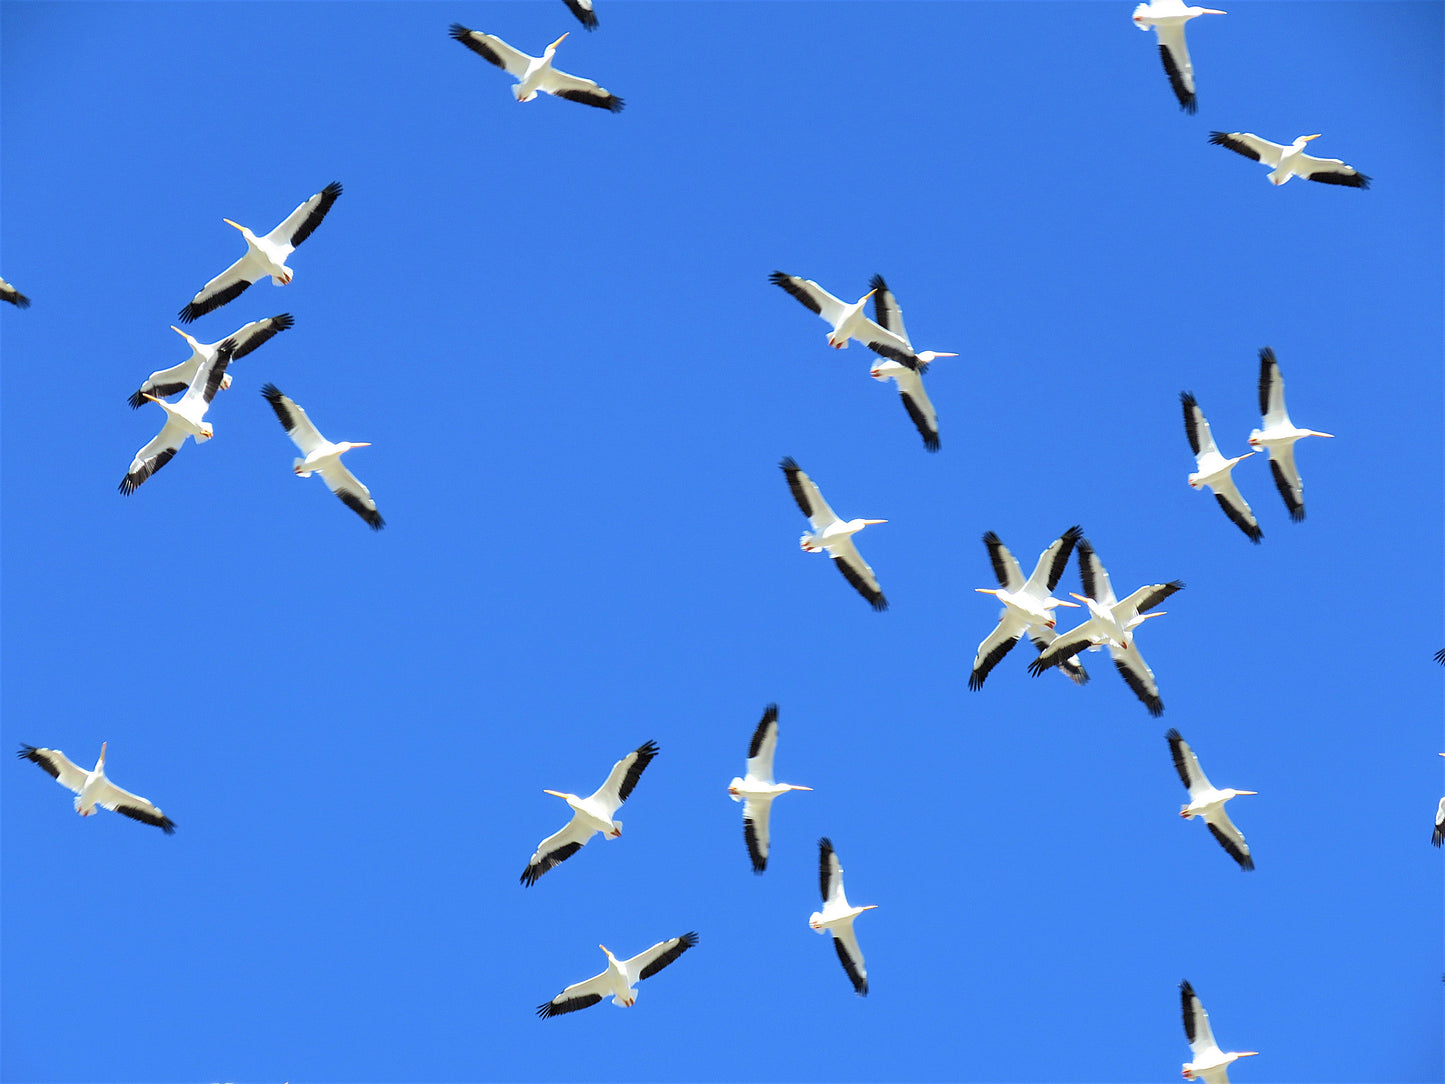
x,y
555,326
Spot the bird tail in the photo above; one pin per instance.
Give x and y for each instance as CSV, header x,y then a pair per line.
x,y
297,464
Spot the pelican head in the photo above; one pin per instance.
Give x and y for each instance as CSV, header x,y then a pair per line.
x,y
930,355
561,794
858,524
99,764
1306,139
553,47
247,234
190,339
1237,793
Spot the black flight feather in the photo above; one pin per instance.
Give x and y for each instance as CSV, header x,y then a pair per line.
x,y
1295,505
998,556
585,15
316,214
1268,371
547,861
1186,97
1238,146
131,482
644,752
852,575
860,983
145,816
770,716
683,943
920,420
356,504
800,494
989,661
779,278
1236,852
1069,539
1238,518
37,756
599,98
160,391
1190,429
196,309
1349,180
1134,681
572,1004
460,33
755,850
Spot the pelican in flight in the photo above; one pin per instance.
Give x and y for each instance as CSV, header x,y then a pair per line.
x,y
1207,801
837,917
12,295
590,815
535,73
1027,605
1168,17
849,321
1210,1064
1439,836
1291,161
1279,435
264,255
323,457
165,382
756,790
910,381
583,10
184,419
619,980
833,534
93,789
1214,470
1111,623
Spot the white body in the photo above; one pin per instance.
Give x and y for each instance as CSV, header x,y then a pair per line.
x,y
248,337
1209,1063
889,316
837,917
833,535
1028,605
535,74
620,979
92,788
1291,161
1207,801
1214,472
1279,435
756,790
185,418
1167,19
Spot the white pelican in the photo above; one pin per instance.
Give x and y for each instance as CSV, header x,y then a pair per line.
x,y
183,420
833,534
620,979
1207,801
837,917
93,789
12,295
1279,435
589,815
1439,835
165,382
535,73
1112,624
910,381
1210,1064
849,321
757,790
1214,470
264,255
1027,605
583,10
1168,17
1290,161
323,457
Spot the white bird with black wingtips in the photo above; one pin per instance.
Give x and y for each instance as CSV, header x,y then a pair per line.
x,y
834,535
1210,1064
1207,801
756,790
1279,435
619,980
837,917
1167,19
184,419
1214,471
848,320
1290,161
909,380
165,382
535,74
93,789
264,256
323,457
592,814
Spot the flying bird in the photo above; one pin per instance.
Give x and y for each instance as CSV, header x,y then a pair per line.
x,y
184,419
1210,1064
756,790
1027,605
1207,801
264,255
1168,17
849,321
837,917
165,382
12,295
589,815
93,789
909,381
583,10
535,73
1439,835
323,457
1111,624
1214,471
1291,161
833,534
1279,435
620,979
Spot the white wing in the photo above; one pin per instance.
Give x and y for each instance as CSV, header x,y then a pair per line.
x,y
1230,837
756,814
886,311
207,381
1196,428
67,774
493,50
763,745
1330,171
1052,562
1271,392
576,89
1175,55
650,961
227,286
352,492
155,455
1187,765
1236,507
583,10
623,778
109,796
1066,645
1145,599
294,420
1196,1024
1071,667
995,646
830,877
1438,837
257,332
302,222
809,497
845,942
580,995
1287,479
1095,579
857,571
557,848
915,399
812,296
1137,675
1249,145
1006,568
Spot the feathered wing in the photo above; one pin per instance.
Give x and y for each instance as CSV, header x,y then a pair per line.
x,y
1070,667
994,647
1287,480
1174,52
1230,837
1094,578
580,995
857,572
623,777
12,295
1249,145
1233,504
763,745
812,296
1271,391
58,765
583,10
493,50
809,497
352,492
1196,428
1439,834
133,806
161,449
757,812
886,311
915,399
294,420
556,849
845,943
1137,675
1146,598
576,89
1006,568
650,961
302,222
1196,1023
1052,562
225,287
1187,765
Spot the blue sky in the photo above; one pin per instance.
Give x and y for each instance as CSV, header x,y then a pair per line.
x,y
555,326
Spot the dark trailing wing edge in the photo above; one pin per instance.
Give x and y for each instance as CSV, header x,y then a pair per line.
x,y
547,861
1268,370
1086,569
685,942
792,470
1179,753
1226,139
160,391
194,310
875,597
269,329
1294,504
586,16
132,481
1072,668
770,716
1236,852
316,214
462,34
920,422
554,1007
1349,180
644,752
1438,836
145,816
825,873
15,297
1187,998
882,314
1236,516
30,753
1039,665
1164,590
860,984
356,504
1148,699
997,555
1190,405
224,353
755,851
1070,539
1440,656
274,396
610,102
901,356
988,662
1187,100
779,278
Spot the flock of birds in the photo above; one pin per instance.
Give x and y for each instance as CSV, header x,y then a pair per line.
x,y
1028,603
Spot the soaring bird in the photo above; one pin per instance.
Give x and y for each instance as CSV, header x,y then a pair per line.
x,y
1291,161
323,457
1168,17
848,320
1214,470
264,255
837,917
93,789
12,295
1027,605
535,73
620,979
1279,435
590,815
183,420
1111,624
165,382
1210,1064
833,534
756,790
583,10
909,381
1207,801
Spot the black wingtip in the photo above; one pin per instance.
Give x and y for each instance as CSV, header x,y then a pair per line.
x,y
137,400
191,313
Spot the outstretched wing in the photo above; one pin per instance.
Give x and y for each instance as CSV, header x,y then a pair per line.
x,y
302,222
556,849
623,777
67,774
808,495
651,961
1249,145
580,995
493,50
